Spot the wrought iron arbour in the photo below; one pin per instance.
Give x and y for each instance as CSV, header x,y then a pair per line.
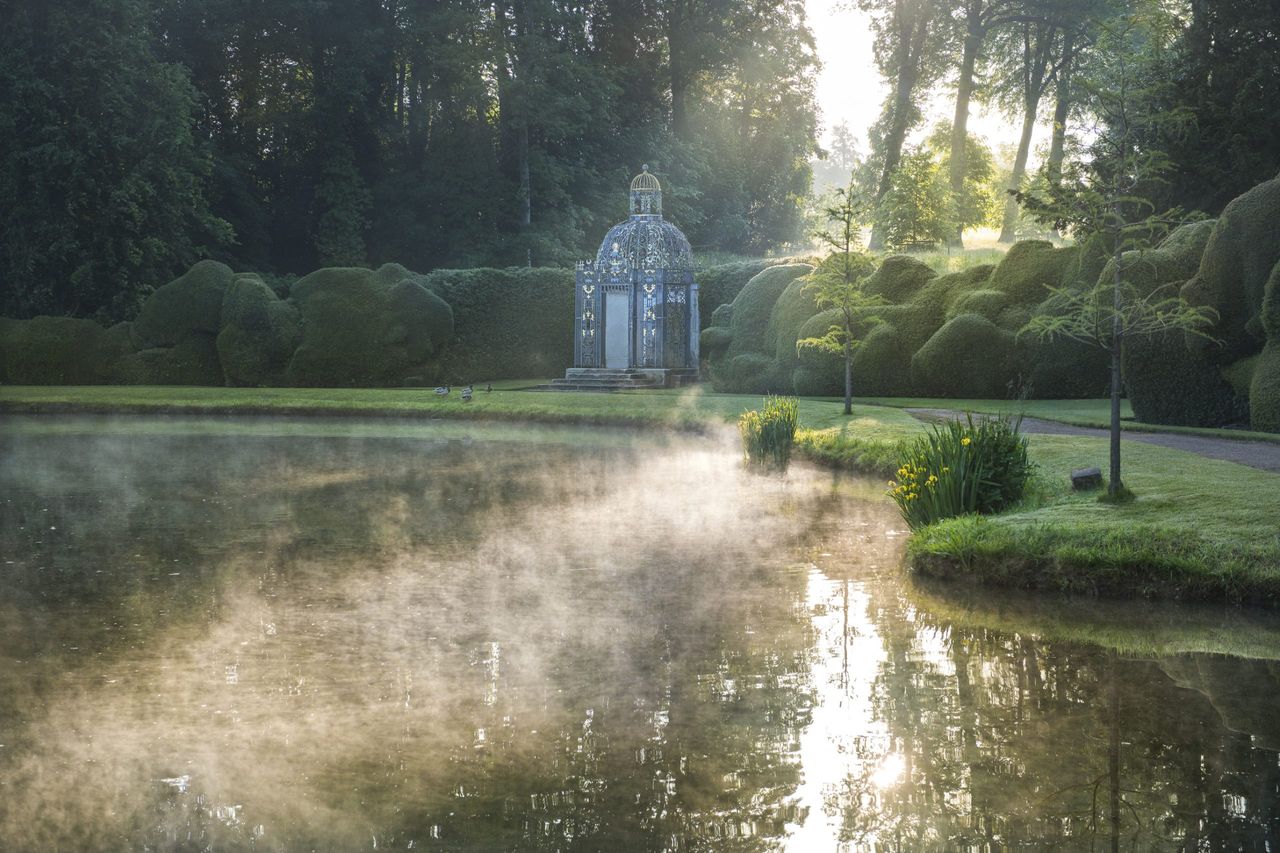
x,y
650,261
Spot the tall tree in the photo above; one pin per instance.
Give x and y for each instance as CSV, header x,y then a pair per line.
x,y
906,49
102,191
975,20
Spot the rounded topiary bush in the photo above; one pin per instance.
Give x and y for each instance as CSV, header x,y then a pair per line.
x,y
899,278
1271,304
720,284
190,304
753,331
259,333
1169,384
882,365
1029,268
748,373
1264,393
968,357
984,303
808,382
723,315
794,307
59,351
1238,260
362,327
713,341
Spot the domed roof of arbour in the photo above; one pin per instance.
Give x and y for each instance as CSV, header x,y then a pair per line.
x,y
645,240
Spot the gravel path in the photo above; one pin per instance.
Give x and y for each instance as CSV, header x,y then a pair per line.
x,y
1256,454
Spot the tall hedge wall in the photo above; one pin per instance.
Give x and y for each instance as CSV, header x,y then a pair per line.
x,y
514,323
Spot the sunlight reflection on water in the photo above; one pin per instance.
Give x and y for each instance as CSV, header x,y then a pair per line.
x,y
552,640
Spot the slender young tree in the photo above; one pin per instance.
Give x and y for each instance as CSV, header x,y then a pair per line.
x,y
1103,202
838,283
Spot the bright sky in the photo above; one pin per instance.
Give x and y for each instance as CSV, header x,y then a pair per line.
x,y
851,90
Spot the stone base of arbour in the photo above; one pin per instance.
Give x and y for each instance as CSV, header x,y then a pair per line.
x,y
621,379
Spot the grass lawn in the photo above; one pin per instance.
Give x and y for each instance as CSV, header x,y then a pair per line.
x,y
876,428
1200,528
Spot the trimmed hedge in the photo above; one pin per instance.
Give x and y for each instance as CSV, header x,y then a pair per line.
x,y
363,328
1271,304
194,361
259,333
985,303
1168,382
1028,268
1264,393
60,351
1237,263
899,278
968,357
514,323
190,304
882,365
754,330
720,284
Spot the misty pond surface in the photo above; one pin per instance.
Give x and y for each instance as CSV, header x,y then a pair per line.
x,y
304,635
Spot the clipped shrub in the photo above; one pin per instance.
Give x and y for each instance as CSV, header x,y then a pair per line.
x,y
984,303
723,315
753,332
1169,384
954,286
1028,268
821,368
193,361
720,284
1264,392
259,333
1271,304
769,434
808,382
959,468
899,278
713,341
190,304
1239,375
968,357
59,351
361,327
1238,260
793,308
882,365
1060,369
510,323
749,373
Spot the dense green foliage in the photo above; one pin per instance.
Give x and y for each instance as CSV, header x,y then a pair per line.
x,y
510,323
287,135
102,188
769,434
961,468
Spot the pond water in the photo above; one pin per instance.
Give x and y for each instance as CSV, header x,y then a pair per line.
x,y
274,635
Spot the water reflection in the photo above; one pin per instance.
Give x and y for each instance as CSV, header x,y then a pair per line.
x,y
466,638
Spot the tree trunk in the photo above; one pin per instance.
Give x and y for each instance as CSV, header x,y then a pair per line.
x,y
1036,59
848,378
960,126
912,34
1009,230
523,194
1061,112
1117,343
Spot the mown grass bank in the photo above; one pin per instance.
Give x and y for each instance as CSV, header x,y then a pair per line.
x,y
1200,528
866,442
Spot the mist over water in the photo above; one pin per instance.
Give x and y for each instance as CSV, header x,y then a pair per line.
x,y
239,634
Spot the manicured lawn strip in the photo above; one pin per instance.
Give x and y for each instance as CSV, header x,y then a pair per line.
x,y
868,440
1200,529
1084,413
